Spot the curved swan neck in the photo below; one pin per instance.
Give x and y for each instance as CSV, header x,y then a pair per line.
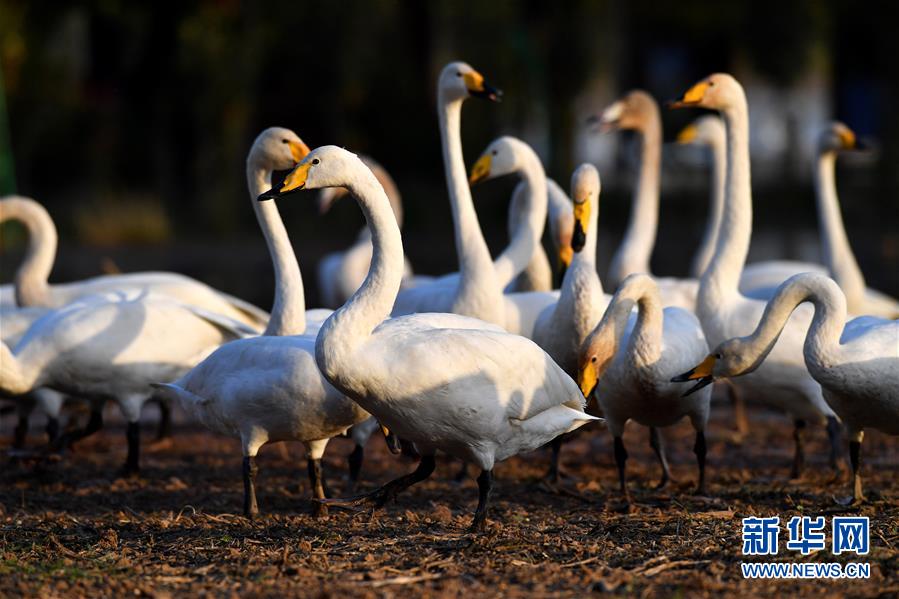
x,y
823,338
636,248
835,248
475,266
722,277
31,285
352,324
534,205
718,151
288,316
645,344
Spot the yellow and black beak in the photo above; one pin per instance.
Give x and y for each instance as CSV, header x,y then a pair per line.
x,y
581,221
692,97
481,169
479,88
393,442
294,181
587,378
701,373
688,134
848,140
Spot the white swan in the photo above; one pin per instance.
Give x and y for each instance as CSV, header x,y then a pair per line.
x,y
639,112
478,394
839,260
562,327
629,363
32,288
782,382
473,290
268,389
538,274
857,363
341,273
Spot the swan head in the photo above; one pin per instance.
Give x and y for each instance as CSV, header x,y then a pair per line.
x,y
584,193
327,166
594,358
836,137
504,156
277,149
561,224
718,91
458,81
707,130
632,112
729,359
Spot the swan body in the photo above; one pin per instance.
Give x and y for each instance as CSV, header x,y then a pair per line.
x,y
639,112
475,393
341,273
629,362
268,388
783,381
32,288
856,363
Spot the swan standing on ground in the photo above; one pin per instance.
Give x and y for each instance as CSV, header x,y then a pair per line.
x,y
638,111
480,395
857,363
268,389
341,273
629,363
32,288
112,346
562,327
782,381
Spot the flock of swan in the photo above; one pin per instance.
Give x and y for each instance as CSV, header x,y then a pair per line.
x,y
487,362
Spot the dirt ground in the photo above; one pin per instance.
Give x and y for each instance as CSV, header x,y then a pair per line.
x,y
72,528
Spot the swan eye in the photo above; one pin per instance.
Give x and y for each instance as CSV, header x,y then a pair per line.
x,y
494,152
315,161
284,141
719,356
458,73
711,84
593,359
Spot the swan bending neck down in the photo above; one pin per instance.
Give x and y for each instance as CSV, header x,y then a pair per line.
x,y
442,381
724,312
629,365
856,363
33,290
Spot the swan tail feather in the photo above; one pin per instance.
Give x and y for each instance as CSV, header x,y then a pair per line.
x,y
229,326
12,379
545,426
254,313
175,392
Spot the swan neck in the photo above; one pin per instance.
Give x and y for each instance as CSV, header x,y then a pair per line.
x,y
31,287
835,248
636,248
823,338
721,278
288,315
526,237
718,151
475,265
645,344
352,324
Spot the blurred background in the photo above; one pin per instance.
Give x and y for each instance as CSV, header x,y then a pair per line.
x,y
131,123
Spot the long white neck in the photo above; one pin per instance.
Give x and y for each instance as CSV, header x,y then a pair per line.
x,y
351,325
526,237
835,248
636,248
31,284
475,266
288,315
718,150
719,284
822,343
